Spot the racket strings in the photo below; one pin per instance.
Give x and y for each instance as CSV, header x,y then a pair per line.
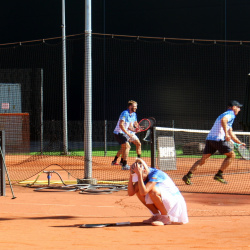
x,y
144,124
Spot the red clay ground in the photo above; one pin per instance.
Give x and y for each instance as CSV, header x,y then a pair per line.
x,y
50,220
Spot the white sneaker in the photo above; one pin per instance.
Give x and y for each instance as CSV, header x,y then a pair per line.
x,y
151,219
161,221
126,167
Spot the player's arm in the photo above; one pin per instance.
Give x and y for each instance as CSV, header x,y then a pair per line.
x,y
121,125
137,127
132,127
143,189
144,164
224,122
235,138
132,188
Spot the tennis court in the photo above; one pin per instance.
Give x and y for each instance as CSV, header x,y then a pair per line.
x,y
50,220
175,81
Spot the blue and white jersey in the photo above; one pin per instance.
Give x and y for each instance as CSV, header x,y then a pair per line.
x,y
217,132
127,118
156,175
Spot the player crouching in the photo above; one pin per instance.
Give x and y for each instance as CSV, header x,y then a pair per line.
x,y
158,193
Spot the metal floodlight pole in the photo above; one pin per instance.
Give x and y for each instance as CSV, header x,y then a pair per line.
x,y
41,115
64,76
88,93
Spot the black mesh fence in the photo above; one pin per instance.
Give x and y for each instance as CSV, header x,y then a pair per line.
x,y
183,84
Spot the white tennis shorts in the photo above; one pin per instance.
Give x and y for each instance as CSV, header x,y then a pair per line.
x,y
134,138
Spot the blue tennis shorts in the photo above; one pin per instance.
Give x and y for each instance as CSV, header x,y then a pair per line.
x,y
212,146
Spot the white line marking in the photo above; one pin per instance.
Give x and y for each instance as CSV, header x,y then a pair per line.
x,y
218,220
201,210
52,214
62,205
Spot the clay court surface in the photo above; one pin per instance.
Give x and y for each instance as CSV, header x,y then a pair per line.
x,y
50,220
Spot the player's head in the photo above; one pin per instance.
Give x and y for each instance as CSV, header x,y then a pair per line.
x,y
235,106
132,105
141,163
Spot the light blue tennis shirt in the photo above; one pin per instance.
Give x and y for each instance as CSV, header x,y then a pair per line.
x,y
156,175
217,132
127,118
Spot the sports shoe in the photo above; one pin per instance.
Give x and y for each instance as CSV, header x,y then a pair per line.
x,y
220,179
161,221
126,167
187,180
151,219
114,163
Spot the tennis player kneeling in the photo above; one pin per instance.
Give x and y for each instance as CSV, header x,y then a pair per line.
x,y
158,193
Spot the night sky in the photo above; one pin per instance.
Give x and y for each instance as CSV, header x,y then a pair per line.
x,y
207,19
193,19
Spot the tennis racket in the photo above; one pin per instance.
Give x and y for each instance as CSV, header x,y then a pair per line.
x,y
105,225
242,150
146,123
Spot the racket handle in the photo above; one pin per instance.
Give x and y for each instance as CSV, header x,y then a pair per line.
x,y
123,223
234,143
138,129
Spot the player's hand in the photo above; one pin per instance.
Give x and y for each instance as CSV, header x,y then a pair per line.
x,y
227,137
138,169
130,135
138,129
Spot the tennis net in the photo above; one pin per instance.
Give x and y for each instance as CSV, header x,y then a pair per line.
x,y
175,150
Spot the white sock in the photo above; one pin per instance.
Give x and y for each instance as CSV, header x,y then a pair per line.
x,y
166,216
156,214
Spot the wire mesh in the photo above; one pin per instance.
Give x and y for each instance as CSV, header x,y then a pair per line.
x,y
181,83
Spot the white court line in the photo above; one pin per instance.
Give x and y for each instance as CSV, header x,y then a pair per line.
x,y
201,210
90,215
218,220
62,205
102,206
51,214
241,211
38,204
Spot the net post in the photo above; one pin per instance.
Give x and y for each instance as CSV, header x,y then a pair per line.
x,y
153,147
91,181
105,137
2,169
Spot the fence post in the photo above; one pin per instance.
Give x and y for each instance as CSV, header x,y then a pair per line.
x,y
2,169
153,147
105,137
